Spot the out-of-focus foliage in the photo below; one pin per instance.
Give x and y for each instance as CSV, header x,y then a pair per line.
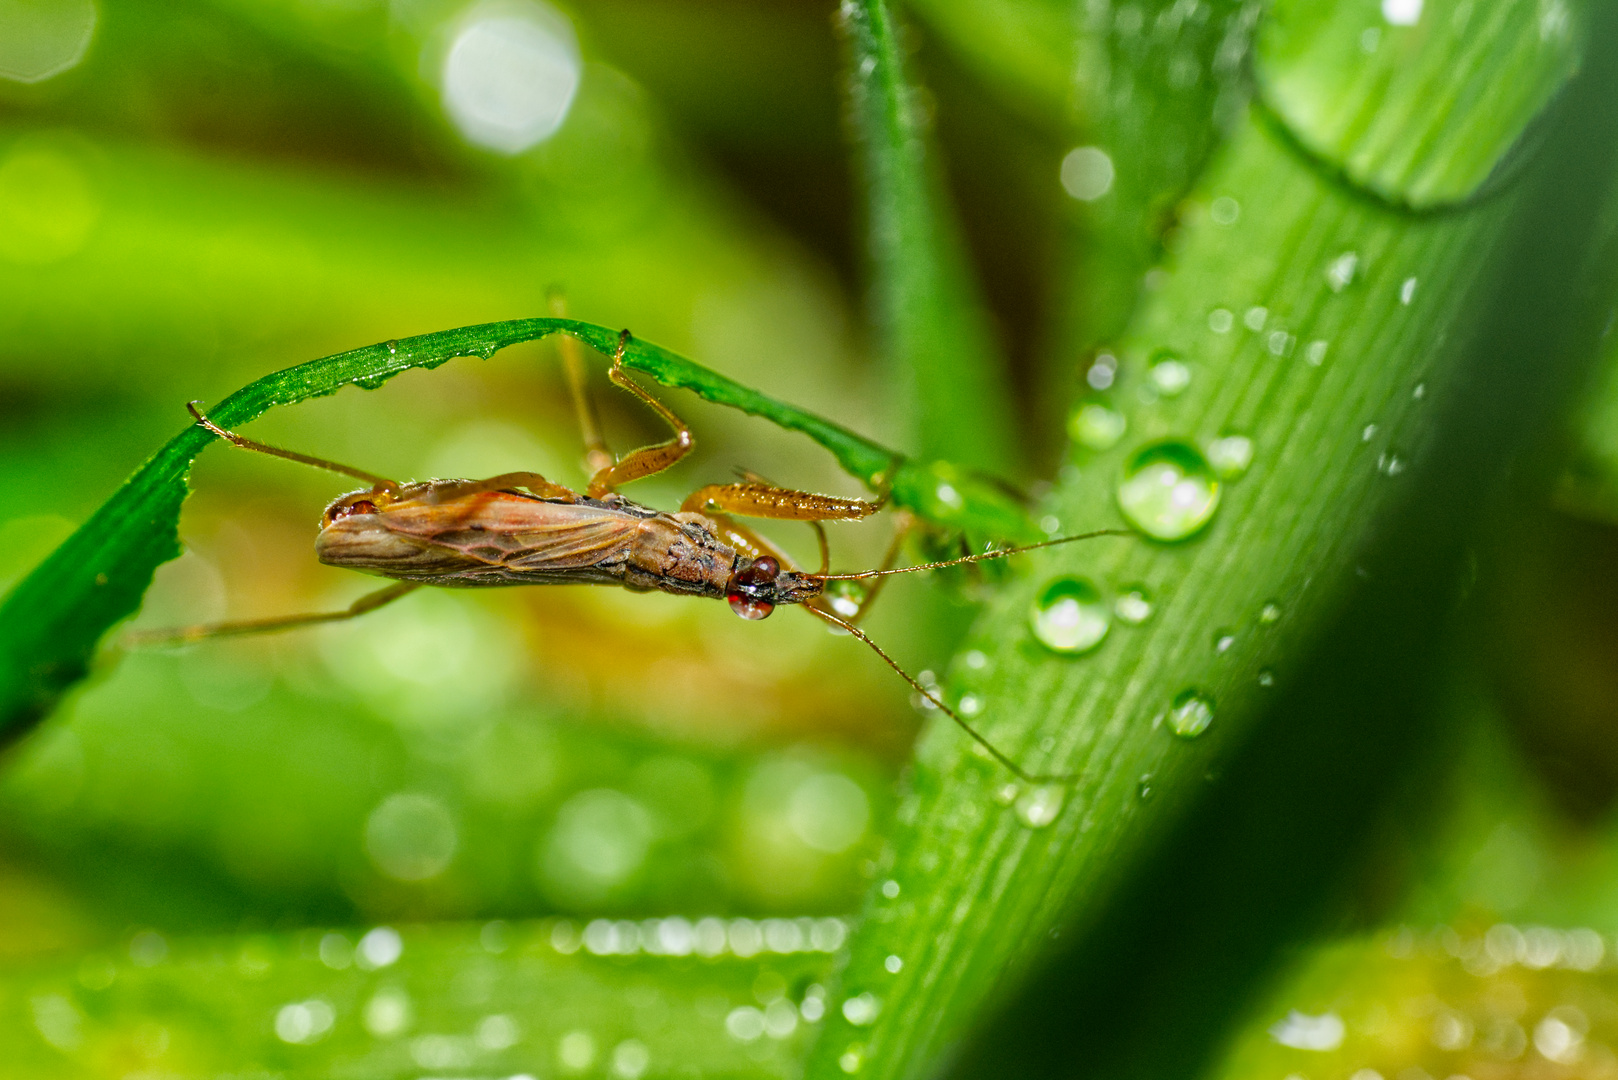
x,y
1300,285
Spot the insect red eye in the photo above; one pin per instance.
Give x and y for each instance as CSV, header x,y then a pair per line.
x,y
748,608
763,571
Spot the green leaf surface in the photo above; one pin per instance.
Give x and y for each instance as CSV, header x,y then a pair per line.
x,y
655,998
1418,102
935,333
50,623
1323,331
1159,85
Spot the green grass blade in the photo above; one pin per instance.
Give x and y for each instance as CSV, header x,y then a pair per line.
x,y
500,999
50,623
1158,89
932,321
1333,370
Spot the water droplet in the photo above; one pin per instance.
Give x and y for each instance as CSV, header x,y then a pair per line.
x,y
1070,616
1266,677
1096,427
1144,788
890,889
1390,463
852,1059
1270,612
894,964
1169,491
1420,391
1315,354
1231,455
1103,369
1341,270
862,1009
1170,375
1087,173
976,659
1133,606
1050,524
969,705
1006,794
1368,432
1191,714
393,346
1407,291
1220,320
1039,806
1223,641
370,382
1402,12
1255,318
1225,210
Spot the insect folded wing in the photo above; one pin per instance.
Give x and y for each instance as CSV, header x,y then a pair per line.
x,y
490,538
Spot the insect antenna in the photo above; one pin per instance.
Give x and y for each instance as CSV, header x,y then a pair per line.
x,y
977,737
381,483
980,557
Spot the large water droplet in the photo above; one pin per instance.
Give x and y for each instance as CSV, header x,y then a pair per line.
x,y
1133,606
1269,612
1096,427
1231,455
1191,714
1070,616
1038,806
1144,787
1168,491
1361,95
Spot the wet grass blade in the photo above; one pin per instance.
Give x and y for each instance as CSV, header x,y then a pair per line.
x,y
936,335
50,623
501,999
1303,379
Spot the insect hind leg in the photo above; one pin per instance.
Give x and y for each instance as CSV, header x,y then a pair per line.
x,y
185,635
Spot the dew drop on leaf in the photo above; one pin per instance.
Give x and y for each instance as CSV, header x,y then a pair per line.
x,y
1191,714
1096,427
1039,806
1070,616
1134,606
1168,491
1231,455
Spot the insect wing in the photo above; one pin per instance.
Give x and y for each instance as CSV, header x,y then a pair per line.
x,y
499,528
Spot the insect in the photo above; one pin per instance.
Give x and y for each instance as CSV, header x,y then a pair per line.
x,y
520,528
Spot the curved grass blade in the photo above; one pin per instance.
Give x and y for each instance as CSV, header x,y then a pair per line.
x,y
936,335
50,623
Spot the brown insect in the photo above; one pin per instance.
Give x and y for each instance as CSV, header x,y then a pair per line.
x,y
521,529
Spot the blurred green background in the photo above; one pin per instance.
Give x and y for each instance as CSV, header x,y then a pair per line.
x,y
585,832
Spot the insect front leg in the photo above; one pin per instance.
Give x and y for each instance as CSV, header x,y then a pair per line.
x,y
184,635
648,460
596,454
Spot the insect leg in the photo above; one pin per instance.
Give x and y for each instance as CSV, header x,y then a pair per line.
x,y
596,454
648,459
380,483
755,498
184,635
534,482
